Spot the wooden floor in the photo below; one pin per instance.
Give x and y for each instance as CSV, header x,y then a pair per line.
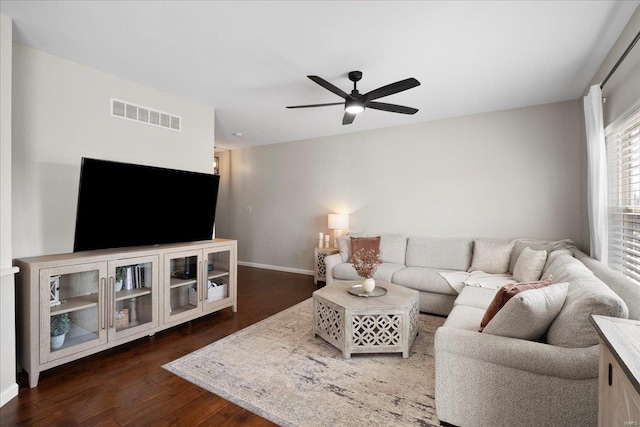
x,y
126,386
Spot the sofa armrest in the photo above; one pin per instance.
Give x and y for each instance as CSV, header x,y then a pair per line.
x,y
330,262
530,356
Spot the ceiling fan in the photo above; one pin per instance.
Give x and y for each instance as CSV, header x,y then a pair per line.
x,y
355,102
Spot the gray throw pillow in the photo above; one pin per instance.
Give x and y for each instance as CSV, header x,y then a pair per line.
x,y
528,314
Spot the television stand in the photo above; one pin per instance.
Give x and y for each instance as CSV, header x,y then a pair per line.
x,y
95,300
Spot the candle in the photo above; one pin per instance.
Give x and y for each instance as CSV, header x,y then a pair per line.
x,y
320,240
326,240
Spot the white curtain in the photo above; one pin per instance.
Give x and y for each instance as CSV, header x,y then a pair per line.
x,y
597,174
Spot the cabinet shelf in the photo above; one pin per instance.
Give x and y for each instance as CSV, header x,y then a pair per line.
x,y
132,293
78,340
217,273
176,283
129,326
182,309
74,304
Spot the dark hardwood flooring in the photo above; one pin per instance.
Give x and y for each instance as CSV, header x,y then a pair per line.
x,y
126,385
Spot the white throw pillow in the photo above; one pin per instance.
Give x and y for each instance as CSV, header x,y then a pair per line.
x,y
529,314
344,244
529,265
491,257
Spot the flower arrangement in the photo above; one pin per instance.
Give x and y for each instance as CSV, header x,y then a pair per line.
x,y
365,262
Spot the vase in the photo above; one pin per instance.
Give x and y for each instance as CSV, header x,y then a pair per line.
x,y
118,286
369,285
57,341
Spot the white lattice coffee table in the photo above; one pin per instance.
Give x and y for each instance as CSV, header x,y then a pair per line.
x,y
386,324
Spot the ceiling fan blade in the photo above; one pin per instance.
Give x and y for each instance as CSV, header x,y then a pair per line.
x,y
392,88
316,105
391,107
348,118
328,86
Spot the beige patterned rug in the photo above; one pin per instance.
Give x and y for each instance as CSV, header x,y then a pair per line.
x,y
278,370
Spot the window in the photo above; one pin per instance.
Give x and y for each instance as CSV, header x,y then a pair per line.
x,y
623,154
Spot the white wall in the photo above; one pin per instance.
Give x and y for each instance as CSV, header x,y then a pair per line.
x,y
61,114
8,385
505,174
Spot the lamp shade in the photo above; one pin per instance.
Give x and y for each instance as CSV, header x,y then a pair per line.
x,y
338,222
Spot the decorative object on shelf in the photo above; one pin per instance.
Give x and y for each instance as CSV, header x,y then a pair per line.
x,y
365,262
54,291
216,289
320,240
338,223
60,325
326,241
120,273
122,318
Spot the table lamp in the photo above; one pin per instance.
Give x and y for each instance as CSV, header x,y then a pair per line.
x,y
338,223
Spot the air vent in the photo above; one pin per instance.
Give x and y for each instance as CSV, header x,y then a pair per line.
x,y
126,110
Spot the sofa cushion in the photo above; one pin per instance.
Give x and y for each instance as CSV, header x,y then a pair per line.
x,y
365,244
550,246
586,296
442,253
528,315
475,296
393,247
384,272
423,279
507,292
491,256
464,317
529,265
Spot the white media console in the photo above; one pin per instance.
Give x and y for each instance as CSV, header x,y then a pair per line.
x,y
108,297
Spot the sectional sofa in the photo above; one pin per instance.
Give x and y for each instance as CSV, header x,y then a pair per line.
x,y
499,378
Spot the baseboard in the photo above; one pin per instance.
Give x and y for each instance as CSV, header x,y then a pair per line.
x,y
8,393
277,268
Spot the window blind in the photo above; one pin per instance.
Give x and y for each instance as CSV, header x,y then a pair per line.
x,y
623,156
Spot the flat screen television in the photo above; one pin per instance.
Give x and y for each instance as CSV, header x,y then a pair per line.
x,y
123,205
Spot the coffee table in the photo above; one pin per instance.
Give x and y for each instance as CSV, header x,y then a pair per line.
x,y
355,324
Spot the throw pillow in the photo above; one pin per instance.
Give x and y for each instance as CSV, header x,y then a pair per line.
x,y
344,244
366,243
491,257
529,265
529,314
507,292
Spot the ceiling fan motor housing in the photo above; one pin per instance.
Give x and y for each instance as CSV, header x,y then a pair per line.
x,y
355,76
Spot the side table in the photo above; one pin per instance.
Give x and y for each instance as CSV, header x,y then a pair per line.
x,y
319,268
619,394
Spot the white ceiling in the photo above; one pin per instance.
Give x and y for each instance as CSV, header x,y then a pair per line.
x,y
249,59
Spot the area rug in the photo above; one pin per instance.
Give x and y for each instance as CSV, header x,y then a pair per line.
x,y
277,369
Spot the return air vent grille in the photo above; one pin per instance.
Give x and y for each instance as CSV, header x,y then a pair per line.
x,y
126,110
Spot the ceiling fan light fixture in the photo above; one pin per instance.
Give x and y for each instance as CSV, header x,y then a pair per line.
x,y
354,107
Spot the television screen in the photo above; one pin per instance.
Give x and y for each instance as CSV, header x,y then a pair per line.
x,y
122,204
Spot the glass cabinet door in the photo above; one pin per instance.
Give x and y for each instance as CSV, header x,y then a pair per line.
x,y
182,293
72,314
132,296
217,278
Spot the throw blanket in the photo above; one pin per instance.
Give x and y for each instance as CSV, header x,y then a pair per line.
x,y
459,279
